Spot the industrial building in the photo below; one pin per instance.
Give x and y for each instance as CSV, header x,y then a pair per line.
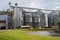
x,y
28,16
17,17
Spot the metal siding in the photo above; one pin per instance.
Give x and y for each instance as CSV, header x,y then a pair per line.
x,y
36,20
19,17
3,17
54,17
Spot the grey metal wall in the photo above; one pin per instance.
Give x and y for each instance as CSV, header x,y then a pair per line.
x,y
54,16
3,17
6,19
36,20
42,18
10,22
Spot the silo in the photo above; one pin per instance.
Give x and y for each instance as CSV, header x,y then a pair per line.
x,y
17,17
42,18
36,20
27,19
54,16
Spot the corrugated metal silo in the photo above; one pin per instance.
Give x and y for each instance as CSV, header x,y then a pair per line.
x,y
27,19
42,18
36,20
54,16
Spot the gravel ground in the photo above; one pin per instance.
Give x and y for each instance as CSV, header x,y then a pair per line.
x,y
44,33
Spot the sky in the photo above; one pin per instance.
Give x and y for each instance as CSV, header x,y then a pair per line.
x,y
43,4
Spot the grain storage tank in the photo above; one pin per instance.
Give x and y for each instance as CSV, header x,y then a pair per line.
x,y
42,18
27,19
17,17
36,20
54,18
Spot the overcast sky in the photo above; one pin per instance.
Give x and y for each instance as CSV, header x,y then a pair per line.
x,y
46,4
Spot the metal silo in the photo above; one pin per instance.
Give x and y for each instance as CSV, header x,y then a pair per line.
x,y
36,20
27,19
17,17
42,18
54,16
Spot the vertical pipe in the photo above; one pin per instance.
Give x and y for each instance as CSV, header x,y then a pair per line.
x,y
7,22
31,21
46,19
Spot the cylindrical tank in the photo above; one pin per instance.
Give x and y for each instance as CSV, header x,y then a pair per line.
x,y
36,21
27,19
19,17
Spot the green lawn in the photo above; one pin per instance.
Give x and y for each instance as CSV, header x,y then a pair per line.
x,y
21,35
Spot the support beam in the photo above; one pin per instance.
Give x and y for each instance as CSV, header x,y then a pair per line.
x,y
7,22
46,19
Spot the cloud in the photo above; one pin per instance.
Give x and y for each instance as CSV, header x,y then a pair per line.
x,y
46,4
56,8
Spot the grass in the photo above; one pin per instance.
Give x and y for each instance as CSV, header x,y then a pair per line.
x,y
21,35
